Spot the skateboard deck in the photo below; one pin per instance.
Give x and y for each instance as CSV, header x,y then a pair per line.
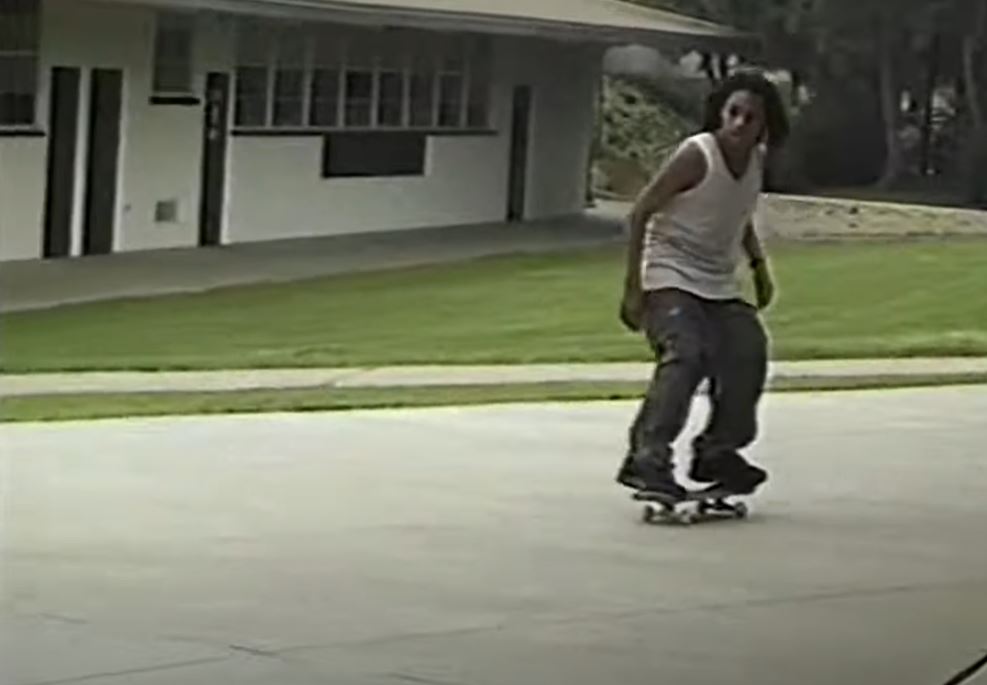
x,y
697,506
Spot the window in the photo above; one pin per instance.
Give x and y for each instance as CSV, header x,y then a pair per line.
x,y
478,94
452,69
374,153
392,72
450,100
359,94
173,41
349,78
324,108
289,80
252,76
326,71
390,101
422,93
359,81
477,114
19,38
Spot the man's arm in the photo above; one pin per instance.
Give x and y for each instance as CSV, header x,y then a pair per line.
x,y
685,170
763,282
752,246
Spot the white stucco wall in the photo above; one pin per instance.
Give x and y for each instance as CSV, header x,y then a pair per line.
x,y
278,192
22,196
160,151
565,93
161,145
275,189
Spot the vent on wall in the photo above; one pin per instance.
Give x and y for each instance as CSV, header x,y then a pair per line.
x,y
166,212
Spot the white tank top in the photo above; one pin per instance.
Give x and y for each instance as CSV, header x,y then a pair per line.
x,y
696,243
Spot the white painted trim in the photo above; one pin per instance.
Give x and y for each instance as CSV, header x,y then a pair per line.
x,y
121,175
406,98
375,68
225,216
375,93
153,57
692,33
36,54
529,158
272,78
340,94
436,96
81,161
464,96
308,76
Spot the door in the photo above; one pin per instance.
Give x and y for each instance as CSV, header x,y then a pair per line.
x,y
63,127
520,133
215,134
102,169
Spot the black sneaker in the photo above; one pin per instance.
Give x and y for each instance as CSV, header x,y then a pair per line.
x,y
628,477
731,472
704,470
745,481
652,475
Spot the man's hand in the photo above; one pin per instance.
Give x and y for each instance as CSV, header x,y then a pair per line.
x,y
764,286
632,308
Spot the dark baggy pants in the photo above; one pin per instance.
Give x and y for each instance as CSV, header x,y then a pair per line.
x,y
695,339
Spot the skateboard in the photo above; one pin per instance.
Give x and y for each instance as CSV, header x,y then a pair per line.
x,y
697,506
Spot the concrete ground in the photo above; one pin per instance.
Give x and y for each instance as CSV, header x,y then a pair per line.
x,y
490,546
39,284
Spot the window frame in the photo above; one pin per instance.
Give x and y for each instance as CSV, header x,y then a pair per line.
x,y
184,22
262,61
30,53
303,64
368,52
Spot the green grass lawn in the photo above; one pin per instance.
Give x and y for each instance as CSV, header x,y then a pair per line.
x,y
860,300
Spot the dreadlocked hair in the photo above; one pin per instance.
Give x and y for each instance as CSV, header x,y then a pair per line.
x,y
775,114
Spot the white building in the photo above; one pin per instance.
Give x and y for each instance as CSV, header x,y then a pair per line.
x,y
146,124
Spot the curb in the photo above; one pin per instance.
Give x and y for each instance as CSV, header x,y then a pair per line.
x,y
851,373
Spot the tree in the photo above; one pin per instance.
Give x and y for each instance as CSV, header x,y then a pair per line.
x,y
865,63
973,76
973,44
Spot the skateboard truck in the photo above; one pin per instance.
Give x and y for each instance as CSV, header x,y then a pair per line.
x,y
696,506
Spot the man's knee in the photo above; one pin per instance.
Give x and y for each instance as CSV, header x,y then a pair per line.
x,y
686,353
743,341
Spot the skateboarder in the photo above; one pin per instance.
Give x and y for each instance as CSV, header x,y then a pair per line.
x,y
689,232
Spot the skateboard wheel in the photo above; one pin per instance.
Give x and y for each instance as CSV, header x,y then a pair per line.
x,y
687,518
740,511
702,508
648,514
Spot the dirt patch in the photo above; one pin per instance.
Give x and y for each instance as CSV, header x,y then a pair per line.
x,y
800,217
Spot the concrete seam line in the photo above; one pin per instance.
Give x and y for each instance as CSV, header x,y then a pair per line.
x,y
967,673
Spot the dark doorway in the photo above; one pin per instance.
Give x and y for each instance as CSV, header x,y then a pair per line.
x,y
63,127
103,165
215,134
520,133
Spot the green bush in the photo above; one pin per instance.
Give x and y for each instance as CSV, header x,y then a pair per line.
x,y
638,130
